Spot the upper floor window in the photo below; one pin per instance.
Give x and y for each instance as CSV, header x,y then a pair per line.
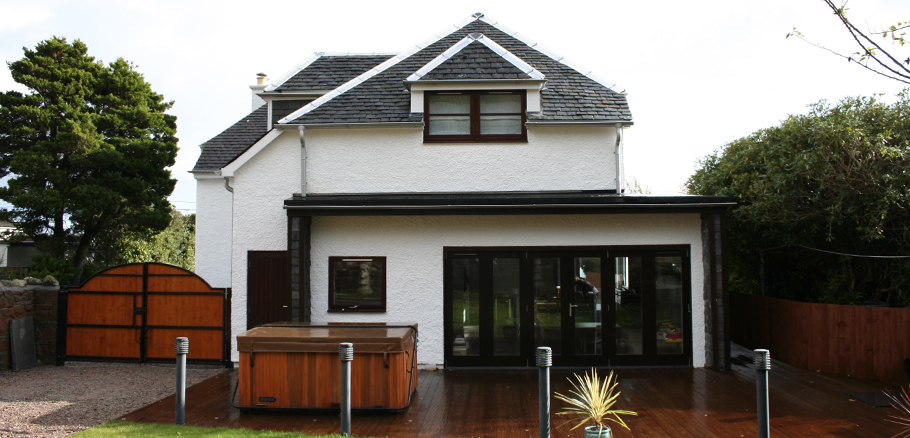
x,y
475,116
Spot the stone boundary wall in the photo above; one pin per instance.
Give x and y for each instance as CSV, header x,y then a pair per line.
x,y
39,302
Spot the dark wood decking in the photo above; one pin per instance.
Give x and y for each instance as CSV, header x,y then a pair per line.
x,y
692,403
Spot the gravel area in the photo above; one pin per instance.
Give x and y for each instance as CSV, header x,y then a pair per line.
x,y
50,401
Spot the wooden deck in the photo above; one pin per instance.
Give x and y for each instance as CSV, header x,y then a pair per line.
x,y
694,403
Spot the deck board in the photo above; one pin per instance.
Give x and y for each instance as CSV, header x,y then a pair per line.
x,y
503,403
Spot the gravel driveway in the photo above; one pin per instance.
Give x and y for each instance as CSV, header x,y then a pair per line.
x,y
50,401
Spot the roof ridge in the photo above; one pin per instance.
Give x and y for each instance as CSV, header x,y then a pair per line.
x,y
553,55
379,68
359,53
486,41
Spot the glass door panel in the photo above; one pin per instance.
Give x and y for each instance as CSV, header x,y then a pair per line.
x,y
586,307
670,306
628,297
547,304
506,306
465,287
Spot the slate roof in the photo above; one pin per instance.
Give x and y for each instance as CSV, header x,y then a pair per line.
x,y
476,61
224,147
569,95
330,71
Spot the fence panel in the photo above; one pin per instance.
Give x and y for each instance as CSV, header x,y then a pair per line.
x,y
868,342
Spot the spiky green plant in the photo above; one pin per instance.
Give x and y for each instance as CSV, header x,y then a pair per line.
x,y
901,402
592,401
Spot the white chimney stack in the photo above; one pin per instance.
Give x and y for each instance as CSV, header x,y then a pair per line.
x,y
261,83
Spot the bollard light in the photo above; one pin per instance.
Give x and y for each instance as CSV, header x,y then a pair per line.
x,y
346,355
182,348
762,360
544,359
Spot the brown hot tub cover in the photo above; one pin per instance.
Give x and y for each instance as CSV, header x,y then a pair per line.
x,y
325,339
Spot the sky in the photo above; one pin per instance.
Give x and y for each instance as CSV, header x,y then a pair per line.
x,y
698,73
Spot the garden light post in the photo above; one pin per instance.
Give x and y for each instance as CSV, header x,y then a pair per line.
x,y
762,366
181,347
544,362
346,355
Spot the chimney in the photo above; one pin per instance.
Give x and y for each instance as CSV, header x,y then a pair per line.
x,y
261,82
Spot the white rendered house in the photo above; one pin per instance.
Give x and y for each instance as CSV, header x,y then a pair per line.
x,y
471,184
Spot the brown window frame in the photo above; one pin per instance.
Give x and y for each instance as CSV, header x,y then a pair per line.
x,y
337,307
475,136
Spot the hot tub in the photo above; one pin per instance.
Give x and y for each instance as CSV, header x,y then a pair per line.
x,y
296,366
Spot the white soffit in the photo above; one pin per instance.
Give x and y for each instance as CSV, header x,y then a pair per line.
x,y
486,41
555,56
375,70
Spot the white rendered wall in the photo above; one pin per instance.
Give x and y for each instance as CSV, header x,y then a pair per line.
x,y
260,221
398,161
213,231
413,246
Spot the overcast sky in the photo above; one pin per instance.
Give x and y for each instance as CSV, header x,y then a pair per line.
x,y
698,73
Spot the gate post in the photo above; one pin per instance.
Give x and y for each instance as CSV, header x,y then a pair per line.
x,y
62,297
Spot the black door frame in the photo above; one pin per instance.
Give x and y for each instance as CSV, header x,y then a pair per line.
x,y
608,356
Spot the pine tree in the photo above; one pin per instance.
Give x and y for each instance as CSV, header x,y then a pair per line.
x,y
86,151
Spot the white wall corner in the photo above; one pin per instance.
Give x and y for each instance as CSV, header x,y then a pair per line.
x,y
416,101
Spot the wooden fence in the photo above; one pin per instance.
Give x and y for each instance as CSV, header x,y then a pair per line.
x,y
869,342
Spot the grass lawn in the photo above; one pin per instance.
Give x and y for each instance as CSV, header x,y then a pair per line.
x,y
123,429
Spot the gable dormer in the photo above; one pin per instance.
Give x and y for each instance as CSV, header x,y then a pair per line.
x,y
476,90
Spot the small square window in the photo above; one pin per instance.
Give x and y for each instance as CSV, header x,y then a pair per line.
x,y
475,116
357,284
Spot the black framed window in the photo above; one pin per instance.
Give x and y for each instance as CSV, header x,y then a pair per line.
x,y
357,284
475,116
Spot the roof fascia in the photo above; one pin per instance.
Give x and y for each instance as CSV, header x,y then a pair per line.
x,y
486,41
205,174
511,206
275,95
477,84
228,170
375,71
611,123
555,56
288,127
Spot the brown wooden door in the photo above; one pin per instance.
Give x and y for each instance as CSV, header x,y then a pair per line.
x,y
268,287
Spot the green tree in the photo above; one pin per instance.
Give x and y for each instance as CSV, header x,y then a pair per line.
x,y
175,245
86,151
836,179
870,54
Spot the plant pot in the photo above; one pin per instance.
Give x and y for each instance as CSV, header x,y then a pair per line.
x,y
596,432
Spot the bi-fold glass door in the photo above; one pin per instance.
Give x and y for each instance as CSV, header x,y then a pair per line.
x,y
593,307
485,310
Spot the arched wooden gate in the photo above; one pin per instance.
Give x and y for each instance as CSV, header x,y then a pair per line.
x,y
133,313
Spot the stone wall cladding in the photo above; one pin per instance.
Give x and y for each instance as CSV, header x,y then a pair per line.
x,y
39,302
